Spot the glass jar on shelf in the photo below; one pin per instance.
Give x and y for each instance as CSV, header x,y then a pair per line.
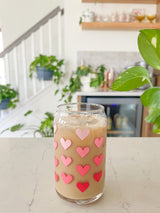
x,y
140,15
151,17
114,17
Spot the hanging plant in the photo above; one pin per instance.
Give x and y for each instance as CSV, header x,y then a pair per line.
x,y
8,97
47,67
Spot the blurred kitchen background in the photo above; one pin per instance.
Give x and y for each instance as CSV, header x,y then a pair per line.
x,y
81,32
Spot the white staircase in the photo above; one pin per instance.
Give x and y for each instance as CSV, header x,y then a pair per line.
x,y
45,37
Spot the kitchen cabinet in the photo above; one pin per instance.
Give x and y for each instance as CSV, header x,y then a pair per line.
x,y
123,25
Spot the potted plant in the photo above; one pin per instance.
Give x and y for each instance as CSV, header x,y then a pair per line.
x,y
7,97
46,67
84,78
149,47
46,128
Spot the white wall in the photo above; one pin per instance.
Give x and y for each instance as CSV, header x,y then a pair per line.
x,y
76,39
19,15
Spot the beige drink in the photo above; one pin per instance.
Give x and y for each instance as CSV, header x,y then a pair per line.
x,y
80,147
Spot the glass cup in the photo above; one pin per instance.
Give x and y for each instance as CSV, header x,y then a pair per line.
x,y
140,15
80,152
151,17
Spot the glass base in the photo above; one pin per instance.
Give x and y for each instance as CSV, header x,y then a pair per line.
x,y
81,201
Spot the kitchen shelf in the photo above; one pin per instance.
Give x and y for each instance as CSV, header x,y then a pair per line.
x,y
122,1
119,26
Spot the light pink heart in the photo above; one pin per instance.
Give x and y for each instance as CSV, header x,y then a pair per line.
x,y
82,134
65,143
98,142
82,151
66,178
55,128
98,159
56,162
66,160
83,170
55,144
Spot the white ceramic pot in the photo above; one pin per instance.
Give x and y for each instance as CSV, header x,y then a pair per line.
x,y
86,83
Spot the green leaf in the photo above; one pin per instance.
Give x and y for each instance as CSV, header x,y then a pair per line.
x,y
10,105
50,115
56,91
151,98
16,100
80,20
131,79
149,47
83,70
94,83
16,127
156,129
154,116
28,112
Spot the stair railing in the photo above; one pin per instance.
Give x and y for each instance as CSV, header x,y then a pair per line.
x,y
41,38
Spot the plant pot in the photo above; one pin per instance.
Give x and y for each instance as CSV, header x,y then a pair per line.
x,y
86,84
4,103
44,74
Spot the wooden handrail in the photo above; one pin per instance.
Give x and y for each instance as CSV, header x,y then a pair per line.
x,y
24,36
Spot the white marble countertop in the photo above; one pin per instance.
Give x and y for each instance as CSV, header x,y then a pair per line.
x,y
136,93
132,177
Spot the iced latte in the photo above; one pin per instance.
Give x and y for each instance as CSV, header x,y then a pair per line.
x,y
80,152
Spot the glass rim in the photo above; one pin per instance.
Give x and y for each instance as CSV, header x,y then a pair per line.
x,y
63,108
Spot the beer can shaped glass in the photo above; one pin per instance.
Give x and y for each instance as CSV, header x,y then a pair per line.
x,y
80,152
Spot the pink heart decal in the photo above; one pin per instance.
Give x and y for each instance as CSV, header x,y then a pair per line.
x,y
55,128
82,151
83,170
66,160
55,144
82,134
56,177
98,159
66,144
56,162
66,178
98,142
